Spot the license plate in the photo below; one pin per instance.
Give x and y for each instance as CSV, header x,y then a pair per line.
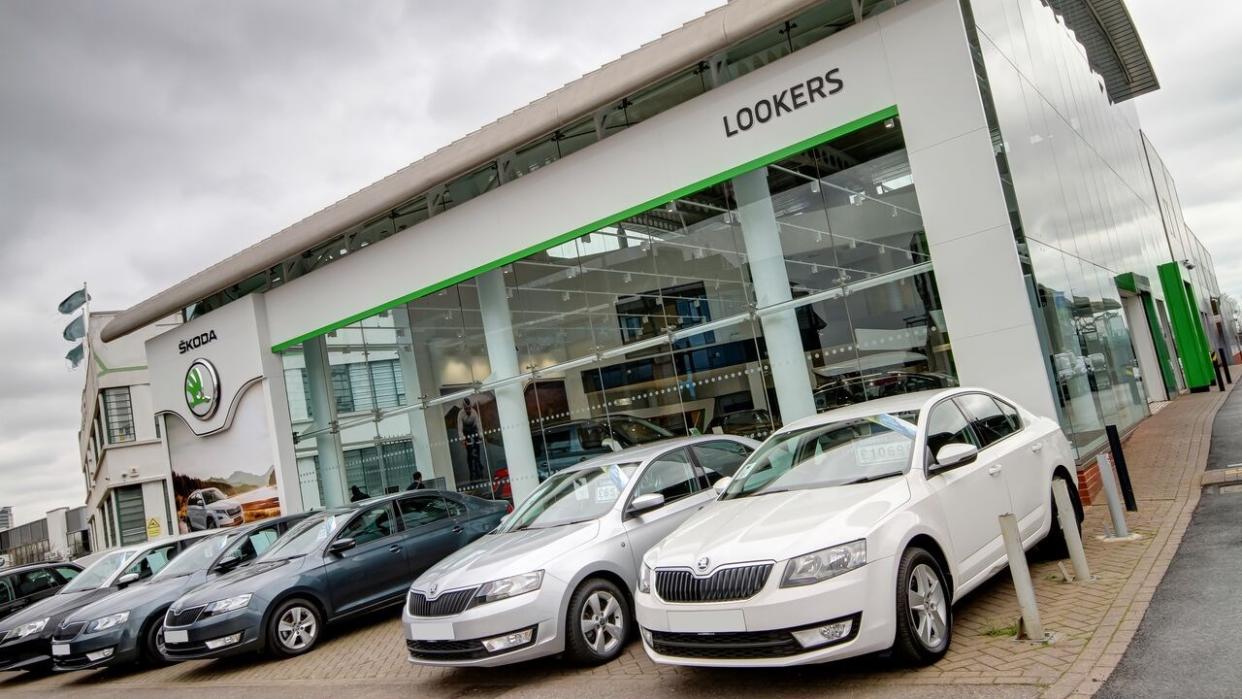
x,y
431,632
60,649
176,637
707,622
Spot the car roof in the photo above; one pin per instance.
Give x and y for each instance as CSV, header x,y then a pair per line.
x,y
642,452
890,404
35,566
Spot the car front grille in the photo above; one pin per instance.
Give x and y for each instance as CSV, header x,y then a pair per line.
x,y
183,617
742,645
727,584
446,604
446,650
67,632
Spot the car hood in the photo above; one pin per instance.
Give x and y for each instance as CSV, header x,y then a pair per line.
x,y
780,525
134,598
497,556
56,607
256,577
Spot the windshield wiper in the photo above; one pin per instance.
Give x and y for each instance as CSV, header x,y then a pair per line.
x,y
868,479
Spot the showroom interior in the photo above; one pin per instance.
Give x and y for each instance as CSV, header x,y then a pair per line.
x,y
974,204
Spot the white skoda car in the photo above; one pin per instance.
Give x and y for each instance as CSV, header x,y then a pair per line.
x,y
557,575
854,531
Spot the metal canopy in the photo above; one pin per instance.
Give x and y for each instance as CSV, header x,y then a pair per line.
x,y
1114,49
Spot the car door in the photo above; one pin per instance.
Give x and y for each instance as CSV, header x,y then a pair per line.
x,y
1000,431
972,496
34,585
375,568
431,532
673,475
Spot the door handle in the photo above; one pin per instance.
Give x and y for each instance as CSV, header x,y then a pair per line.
x,y
395,548
995,470
457,529
1037,446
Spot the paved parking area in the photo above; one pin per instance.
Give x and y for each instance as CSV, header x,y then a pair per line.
x,y
1093,624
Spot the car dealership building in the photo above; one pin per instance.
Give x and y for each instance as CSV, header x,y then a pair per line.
x,y
781,207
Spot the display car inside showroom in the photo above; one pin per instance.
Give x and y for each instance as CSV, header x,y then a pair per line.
x,y
779,209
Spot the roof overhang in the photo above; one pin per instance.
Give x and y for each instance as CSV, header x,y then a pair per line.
x,y
681,48
1114,49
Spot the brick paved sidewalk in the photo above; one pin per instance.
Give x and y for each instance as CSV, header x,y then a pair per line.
x,y
1093,623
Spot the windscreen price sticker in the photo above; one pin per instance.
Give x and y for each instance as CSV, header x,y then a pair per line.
x,y
884,453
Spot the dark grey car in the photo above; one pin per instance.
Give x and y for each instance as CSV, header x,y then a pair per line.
x,y
334,564
128,626
22,586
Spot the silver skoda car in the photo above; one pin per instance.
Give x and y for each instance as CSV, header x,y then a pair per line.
x,y
557,576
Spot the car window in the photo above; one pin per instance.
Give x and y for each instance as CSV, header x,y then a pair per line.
x,y
947,425
35,581
719,459
374,523
251,546
558,442
991,425
669,475
591,437
151,562
420,511
455,509
1011,413
98,572
66,573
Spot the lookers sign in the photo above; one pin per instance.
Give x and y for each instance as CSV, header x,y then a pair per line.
x,y
792,98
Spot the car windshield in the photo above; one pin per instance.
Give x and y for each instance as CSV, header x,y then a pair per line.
x,y
639,431
833,454
98,572
571,496
308,536
195,558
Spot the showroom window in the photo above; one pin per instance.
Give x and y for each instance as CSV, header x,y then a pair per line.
x,y
119,414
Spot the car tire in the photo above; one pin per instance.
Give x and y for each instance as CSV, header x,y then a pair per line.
x,y
1054,546
294,628
153,642
924,609
598,623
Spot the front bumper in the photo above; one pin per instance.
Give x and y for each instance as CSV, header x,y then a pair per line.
x,y
758,632
224,519
456,640
248,622
76,650
25,654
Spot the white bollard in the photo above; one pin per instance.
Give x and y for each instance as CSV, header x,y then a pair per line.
x,y
1021,574
1069,527
1108,478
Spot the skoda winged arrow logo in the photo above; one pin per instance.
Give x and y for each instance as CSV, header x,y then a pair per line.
x,y
432,592
202,389
703,563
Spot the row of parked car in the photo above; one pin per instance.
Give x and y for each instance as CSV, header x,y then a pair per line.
x,y
850,532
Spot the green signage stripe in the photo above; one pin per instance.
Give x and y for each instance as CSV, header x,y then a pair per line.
x,y
1188,333
844,129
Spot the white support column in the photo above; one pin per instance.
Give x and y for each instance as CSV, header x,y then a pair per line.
x,y
323,412
761,234
510,400
431,457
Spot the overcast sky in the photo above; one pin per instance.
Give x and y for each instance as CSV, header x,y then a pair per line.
x,y
142,141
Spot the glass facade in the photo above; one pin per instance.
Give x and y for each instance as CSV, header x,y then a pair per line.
x,y
1080,194
797,287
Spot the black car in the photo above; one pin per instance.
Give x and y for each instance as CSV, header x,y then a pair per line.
x,y
26,637
129,626
22,586
334,564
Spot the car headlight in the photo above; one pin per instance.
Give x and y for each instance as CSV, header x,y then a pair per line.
x,y
107,622
644,579
821,565
24,630
230,604
509,587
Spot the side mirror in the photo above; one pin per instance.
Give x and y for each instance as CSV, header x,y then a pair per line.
x,y
127,580
228,563
341,545
722,484
646,502
954,455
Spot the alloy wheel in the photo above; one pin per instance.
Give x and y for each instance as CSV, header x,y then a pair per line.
x,y
928,608
297,628
603,622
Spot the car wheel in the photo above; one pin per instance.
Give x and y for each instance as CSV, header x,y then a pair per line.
x,y
1054,546
598,623
153,642
924,609
294,628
